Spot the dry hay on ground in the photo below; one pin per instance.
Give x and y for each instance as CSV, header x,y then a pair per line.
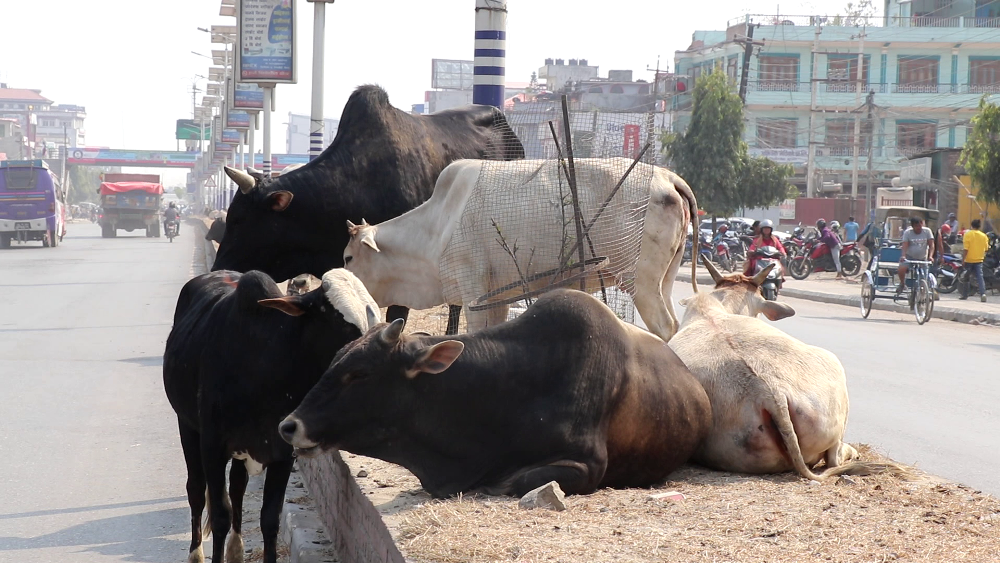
x,y
725,518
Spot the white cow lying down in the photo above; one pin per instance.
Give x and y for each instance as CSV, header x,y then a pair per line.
x,y
777,403
425,257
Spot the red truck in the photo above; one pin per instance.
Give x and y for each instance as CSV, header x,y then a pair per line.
x,y
130,202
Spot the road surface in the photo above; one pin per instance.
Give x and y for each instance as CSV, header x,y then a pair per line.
x,y
92,463
926,395
93,470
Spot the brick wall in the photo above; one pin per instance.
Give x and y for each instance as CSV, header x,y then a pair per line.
x,y
358,533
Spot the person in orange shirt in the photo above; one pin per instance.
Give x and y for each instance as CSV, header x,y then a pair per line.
x,y
975,243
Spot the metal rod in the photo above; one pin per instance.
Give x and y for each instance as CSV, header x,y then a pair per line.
x,y
268,97
316,121
577,217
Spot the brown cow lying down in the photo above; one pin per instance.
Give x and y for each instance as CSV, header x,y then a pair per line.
x,y
777,403
565,392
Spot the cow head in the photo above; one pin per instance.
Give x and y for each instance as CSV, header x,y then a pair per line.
x,y
340,295
740,295
268,228
362,397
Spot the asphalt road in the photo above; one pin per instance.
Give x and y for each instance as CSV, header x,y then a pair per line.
x,y
926,395
92,467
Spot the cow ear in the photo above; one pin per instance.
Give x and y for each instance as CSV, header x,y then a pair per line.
x,y
288,305
776,311
279,200
368,239
436,358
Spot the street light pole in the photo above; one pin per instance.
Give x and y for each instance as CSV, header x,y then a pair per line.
x,y
490,54
268,106
316,120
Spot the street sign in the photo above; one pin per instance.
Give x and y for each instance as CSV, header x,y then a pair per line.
x,y
189,129
266,52
210,183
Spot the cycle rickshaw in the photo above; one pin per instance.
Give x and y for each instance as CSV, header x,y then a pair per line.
x,y
879,281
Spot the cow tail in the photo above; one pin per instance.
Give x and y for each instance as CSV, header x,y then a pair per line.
x,y
783,421
685,190
206,524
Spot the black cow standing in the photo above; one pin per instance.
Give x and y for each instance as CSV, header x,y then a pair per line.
x,y
239,358
565,392
382,163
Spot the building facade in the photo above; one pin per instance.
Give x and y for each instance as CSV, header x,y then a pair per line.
x,y
297,133
927,68
46,127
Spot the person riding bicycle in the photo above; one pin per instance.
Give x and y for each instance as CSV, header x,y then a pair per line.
x,y
171,214
832,242
916,246
766,238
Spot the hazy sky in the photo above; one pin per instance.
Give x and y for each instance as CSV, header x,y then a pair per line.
x,y
130,64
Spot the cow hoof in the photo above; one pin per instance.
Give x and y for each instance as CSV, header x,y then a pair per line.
x,y
234,549
196,556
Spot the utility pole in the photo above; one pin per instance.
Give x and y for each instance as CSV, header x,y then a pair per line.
x,y
856,147
316,120
813,85
748,45
870,103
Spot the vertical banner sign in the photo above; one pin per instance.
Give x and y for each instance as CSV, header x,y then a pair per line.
x,y
238,120
230,136
248,96
266,52
630,148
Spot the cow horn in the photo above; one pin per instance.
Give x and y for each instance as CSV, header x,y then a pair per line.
x,y
245,181
364,222
762,275
351,226
716,276
390,334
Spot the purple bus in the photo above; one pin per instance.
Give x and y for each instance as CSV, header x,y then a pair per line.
x,y
32,206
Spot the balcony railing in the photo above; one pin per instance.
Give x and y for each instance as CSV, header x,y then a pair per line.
x,y
977,89
777,86
920,88
846,150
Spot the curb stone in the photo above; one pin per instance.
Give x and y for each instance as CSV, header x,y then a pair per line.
x,y
942,312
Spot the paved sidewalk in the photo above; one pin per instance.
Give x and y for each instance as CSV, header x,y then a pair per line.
x,y
824,288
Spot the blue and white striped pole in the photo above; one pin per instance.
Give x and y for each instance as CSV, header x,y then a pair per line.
x,y
491,50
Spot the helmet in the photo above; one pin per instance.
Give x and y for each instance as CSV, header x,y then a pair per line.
x,y
767,224
945,229
835,225
173,205
723,228
821,224
951,215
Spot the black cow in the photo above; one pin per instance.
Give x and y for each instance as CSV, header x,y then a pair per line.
x,y
217,231
565,392
383,163
234,366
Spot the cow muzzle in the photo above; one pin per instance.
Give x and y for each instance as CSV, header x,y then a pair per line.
x,y
294,432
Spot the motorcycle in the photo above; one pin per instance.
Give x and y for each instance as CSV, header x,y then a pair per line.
x,y
170,229
721,255
948,273
765,256
793,246
815,257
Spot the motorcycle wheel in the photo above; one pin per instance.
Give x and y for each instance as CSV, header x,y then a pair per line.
x,y
948,284
850,264
800,268
726,264
770,293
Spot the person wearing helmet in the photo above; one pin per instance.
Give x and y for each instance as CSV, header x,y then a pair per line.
x,y
832,241
952,222
766,238
835,227
723,229
171,214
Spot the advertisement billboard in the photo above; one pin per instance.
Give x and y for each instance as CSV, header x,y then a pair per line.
x,y
230,136
189,129
238,120
266,51
248,96
450,74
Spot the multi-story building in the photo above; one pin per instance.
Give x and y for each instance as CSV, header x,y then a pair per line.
x,y
297,133
61,124
51,126
928,63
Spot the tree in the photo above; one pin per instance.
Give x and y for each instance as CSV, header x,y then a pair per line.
x,y
707,155
762,182
858,13
84,181
981,155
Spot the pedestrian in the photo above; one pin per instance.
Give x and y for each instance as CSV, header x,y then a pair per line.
x,y
917,246
952,222
851,230
832,242
975,242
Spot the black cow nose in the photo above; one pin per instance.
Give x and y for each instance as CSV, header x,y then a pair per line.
x,y
287,429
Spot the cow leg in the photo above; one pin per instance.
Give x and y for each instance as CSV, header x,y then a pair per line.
x,y
191,444
573,477
238,478
840,454
270,511
396,312
454,316
214,461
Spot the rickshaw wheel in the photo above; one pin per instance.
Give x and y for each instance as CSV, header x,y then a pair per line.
x,y
867,295
923,306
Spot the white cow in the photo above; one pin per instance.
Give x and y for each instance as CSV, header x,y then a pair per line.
x,y
425,257
777,403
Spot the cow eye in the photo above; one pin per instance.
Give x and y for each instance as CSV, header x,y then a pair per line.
x,y
347,259
352,376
